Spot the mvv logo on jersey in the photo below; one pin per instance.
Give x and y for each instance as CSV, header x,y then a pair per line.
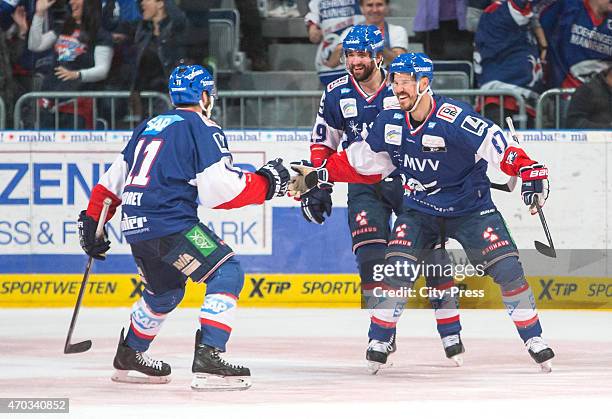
x,y
348,107
420,165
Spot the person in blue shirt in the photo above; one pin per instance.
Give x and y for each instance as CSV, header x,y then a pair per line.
x,y
173,163
441,147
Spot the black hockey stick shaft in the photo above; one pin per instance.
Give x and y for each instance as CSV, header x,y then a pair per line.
x,y
541,247
73,348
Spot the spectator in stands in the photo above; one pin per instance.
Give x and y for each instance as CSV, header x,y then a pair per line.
x,y
325,22
82,54
12,43
591,104
159,49
507,56
285,9
579,34
441,27
396,37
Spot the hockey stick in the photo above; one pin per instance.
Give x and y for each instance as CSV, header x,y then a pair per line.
x,y
541,247
75,348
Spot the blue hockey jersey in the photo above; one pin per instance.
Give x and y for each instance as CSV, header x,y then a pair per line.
x,y
580,44
346,113
444,160
172,162
507,54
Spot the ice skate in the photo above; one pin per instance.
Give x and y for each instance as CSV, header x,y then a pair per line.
x,y
377,354
213,373
136,367
453,348
541,353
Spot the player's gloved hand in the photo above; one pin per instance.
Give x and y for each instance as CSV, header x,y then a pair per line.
x,y
87,236
316,203
278,178
535,185
307,178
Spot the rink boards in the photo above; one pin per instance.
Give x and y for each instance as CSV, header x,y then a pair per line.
x,y
46,177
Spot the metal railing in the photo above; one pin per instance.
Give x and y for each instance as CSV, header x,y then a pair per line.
x,y
2,114
557,93
70,99
265,102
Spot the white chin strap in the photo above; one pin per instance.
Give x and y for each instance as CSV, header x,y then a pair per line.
x,y
419,97
208,109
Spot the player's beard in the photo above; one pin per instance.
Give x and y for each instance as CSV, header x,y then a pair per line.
x,y
365,74
407,103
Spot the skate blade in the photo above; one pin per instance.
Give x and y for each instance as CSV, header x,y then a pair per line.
x,y
457,359
134,377
374,367
546,367
211,382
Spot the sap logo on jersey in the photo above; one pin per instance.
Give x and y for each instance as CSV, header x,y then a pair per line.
x,y
348,107
159,123
393,134
216,304
448,112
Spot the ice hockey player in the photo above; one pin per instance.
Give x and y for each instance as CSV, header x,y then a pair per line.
x,y
443,148
348,108
171,163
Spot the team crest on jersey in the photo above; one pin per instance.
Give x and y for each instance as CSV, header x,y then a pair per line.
x,y
433,144
391,102
338,82
393,134
160,123
448,112
348,107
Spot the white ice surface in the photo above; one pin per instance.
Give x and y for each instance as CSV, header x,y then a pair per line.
x,y
310,363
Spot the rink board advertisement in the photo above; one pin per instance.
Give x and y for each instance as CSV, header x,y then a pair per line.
x,y
46,178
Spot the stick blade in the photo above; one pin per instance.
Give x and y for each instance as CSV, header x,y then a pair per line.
x,y
545,250
77,348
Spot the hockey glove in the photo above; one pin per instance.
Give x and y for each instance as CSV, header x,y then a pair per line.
x,y
87,236
316,203
278,178
308,177
535,185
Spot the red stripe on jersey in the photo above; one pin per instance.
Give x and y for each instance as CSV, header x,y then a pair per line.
x,y
340,170
526,323
596,21
516,291
98,195
514,159
254,192
525,12
213,323
319,153
448,320
382,323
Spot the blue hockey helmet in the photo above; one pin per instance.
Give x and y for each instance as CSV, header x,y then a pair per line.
x,y
187,82
415,63
364,38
